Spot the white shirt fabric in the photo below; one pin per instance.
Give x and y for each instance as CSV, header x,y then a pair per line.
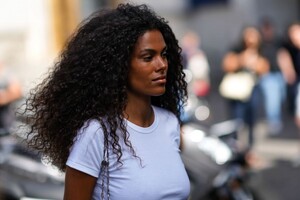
x,y
159,175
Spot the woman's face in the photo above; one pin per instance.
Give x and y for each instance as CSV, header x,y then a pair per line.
x,y
148,65
251,37
294,34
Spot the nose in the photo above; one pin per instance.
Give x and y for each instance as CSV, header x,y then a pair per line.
x,y
162,64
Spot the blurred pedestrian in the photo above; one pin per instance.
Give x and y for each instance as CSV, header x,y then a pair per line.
x,y
290,64
289,61
108,114
195,60
246,58
197,71
272,84
10,91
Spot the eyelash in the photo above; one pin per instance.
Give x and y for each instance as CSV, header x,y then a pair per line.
x,y
149,58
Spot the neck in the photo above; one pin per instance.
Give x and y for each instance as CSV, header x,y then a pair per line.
x,y
139,111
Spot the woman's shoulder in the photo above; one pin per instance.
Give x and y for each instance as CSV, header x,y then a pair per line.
x,y
162,111
164,114
91,129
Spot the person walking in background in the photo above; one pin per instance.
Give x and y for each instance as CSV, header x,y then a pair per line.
x,y
246,58
195,60
109,112
197,71
272,84
10,91
289,61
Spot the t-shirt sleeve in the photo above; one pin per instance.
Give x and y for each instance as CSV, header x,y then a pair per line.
x,y
177,135
86,153
171,121
175,127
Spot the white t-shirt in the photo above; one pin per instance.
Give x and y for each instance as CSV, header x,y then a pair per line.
x,y
159,176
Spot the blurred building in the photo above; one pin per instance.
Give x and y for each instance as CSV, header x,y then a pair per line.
x,y
32,32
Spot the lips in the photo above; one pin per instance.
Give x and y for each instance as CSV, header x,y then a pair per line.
x,y
160,79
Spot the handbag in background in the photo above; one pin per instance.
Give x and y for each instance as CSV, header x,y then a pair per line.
x,y
237,86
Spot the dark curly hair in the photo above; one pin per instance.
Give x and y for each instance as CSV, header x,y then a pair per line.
x,y
89,81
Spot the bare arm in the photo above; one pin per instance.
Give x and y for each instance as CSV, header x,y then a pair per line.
x,y
181,140
262,66
286,65
78,185
231,62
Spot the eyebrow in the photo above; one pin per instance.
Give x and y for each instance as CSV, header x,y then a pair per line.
x,y
152,50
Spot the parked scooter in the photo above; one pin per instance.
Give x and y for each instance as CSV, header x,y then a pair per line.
x,y
217,168
24,175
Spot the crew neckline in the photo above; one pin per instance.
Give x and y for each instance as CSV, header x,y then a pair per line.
x,y
148,129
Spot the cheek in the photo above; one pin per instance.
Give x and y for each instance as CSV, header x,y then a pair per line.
x,y
137,78
141,73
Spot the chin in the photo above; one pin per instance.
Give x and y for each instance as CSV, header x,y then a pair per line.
x,y
158,93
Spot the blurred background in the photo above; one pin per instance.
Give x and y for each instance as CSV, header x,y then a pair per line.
x,y
33,32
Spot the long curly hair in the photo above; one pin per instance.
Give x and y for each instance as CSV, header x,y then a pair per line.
x,y
89,81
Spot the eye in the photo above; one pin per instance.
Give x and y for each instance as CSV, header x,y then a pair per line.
x,y
147,58
164,54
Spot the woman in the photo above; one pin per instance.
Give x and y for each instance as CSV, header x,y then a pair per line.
x,y
249,59
108,113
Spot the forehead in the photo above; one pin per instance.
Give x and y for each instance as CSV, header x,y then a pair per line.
x,y
251,32
152,39
295,28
